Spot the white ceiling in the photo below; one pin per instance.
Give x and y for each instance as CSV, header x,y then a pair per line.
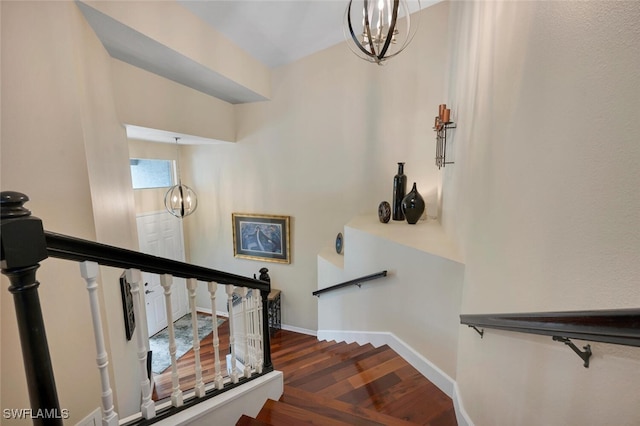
x,y
275,32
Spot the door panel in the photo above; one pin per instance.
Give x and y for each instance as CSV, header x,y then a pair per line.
x,y
160,234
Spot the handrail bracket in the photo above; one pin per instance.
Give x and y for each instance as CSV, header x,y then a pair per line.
x,y
584,355
480,332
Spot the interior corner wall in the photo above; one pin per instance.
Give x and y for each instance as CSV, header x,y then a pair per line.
x,y
323,150
107,157
43,156
62,146
543,198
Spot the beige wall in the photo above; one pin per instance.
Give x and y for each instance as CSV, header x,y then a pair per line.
x,y
544,200
322,150
62,145
147,100
540,200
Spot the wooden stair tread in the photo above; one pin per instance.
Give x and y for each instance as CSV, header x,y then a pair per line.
x,y
250,421
338,409
279,413
329,383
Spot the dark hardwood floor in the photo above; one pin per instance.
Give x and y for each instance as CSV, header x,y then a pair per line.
x,y
328,383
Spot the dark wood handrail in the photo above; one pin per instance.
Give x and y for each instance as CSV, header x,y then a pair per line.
x,y
617,326
79,250
357,282
24,244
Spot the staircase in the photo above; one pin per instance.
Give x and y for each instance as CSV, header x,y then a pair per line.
x,y
329,383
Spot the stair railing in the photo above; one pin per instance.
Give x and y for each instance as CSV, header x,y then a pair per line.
x,y
25,244
357,281
616,326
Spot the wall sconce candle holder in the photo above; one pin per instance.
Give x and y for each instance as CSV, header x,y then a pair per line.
x,y
442,124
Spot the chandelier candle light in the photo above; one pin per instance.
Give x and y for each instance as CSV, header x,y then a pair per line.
x,y
180,200
374,29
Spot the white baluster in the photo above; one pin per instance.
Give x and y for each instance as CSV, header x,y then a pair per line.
x,y
234,373
252,328
166,281
147,407
192,284
89,271
245,340
259,337
217,379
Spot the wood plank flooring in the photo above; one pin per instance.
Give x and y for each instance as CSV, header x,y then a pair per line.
x,y
328,383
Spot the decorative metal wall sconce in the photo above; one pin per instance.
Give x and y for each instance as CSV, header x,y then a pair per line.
x,y
442,124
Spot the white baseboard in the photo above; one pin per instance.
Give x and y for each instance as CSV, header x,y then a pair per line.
x,y
428,369
93,419
208,311
284,326
299,330
461,414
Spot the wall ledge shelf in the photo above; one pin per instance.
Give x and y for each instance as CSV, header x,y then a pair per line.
x,y
426,235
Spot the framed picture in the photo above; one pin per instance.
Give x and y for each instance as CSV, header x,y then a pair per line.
x,y
127,306
261,237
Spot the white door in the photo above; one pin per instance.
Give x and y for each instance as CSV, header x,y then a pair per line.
x,y
160,234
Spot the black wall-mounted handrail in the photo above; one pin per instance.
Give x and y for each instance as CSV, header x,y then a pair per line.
x,y
357,282
616,326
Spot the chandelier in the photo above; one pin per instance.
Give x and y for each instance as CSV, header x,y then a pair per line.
x,y
180,200
374,31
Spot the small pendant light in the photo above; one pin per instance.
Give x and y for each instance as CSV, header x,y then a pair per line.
x,y
180,200
376,30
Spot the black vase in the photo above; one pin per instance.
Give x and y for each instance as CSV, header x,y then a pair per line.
x,y
413,205
399,191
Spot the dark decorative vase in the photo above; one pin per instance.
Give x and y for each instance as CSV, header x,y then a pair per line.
x,y
413,205
384,212
399,191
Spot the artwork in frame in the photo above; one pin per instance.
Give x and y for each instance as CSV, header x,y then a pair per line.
x,y
261,237
127,307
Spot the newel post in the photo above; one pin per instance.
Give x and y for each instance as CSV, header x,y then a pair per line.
x,y
266,333
23,246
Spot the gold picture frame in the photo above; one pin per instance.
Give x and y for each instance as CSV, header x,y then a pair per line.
x,y
261,237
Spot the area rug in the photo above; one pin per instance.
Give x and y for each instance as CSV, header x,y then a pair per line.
x,y
159,342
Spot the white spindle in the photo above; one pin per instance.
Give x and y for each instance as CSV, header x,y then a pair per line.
x,y
234,373
166,281
217,379
252,329
192,284
259,336
245,338
89,271
147,407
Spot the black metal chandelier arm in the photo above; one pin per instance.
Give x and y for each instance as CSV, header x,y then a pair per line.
x,y
392,27
353,35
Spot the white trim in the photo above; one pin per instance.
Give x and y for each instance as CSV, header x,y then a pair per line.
x,y
227,407
284,326
428,369
299,330
461,414
208,311
92,419
153,212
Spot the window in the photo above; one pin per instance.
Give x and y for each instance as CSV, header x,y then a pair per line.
x,y
146,173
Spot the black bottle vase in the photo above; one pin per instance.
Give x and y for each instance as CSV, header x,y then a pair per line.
x,y
413,205
399,191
